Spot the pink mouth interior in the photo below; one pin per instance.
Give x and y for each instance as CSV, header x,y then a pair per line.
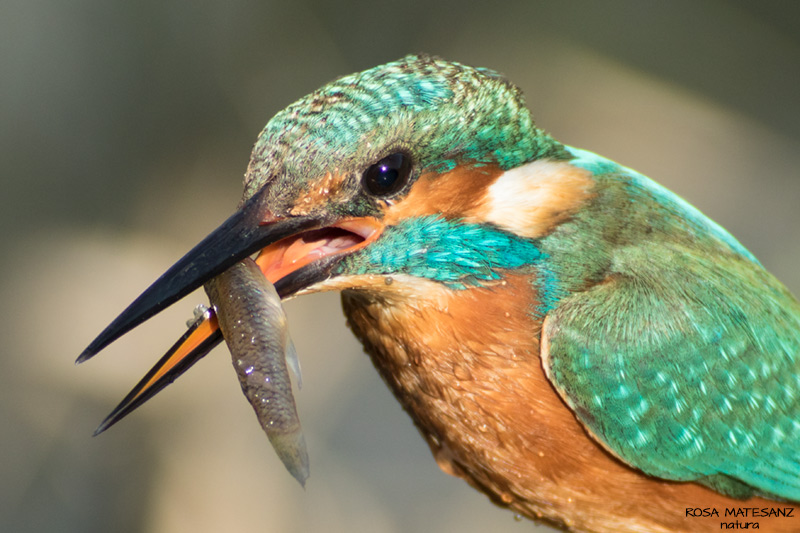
x,y
319,243
290,254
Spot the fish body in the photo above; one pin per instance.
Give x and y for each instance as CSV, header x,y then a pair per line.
x,y
254,327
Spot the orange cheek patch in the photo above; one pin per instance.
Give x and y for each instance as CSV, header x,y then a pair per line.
x,y
455,194
529,200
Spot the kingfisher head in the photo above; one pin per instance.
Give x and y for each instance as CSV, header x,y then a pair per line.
x,y
391,168
406,170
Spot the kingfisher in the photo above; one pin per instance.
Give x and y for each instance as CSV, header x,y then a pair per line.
x,y
569,337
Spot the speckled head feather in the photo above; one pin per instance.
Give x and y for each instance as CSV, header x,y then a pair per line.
x,y
441,113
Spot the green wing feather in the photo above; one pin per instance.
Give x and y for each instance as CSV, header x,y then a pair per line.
x,y
687,367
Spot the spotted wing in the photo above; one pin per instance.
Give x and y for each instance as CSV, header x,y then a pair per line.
x,y
687,368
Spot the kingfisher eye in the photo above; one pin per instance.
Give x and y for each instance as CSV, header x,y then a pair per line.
x,y
388,175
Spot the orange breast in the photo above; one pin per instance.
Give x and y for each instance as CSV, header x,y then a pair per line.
x,y
466,367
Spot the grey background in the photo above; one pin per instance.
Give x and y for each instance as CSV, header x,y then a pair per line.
x,y
125,128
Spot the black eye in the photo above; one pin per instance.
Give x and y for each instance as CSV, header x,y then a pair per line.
x,y
388,175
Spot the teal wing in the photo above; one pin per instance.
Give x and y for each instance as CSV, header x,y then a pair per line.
x,y
687,368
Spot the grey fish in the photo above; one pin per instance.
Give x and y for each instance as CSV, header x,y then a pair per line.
x,y
254,326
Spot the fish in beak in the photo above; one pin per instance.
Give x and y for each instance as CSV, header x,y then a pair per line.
x,y
294,253
252,320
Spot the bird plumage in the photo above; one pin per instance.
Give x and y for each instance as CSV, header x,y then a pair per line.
x,y
570,338
444,113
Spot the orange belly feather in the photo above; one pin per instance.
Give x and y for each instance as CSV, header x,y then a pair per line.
x,y
466,367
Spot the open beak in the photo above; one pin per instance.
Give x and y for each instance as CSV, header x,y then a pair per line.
x,y
295,253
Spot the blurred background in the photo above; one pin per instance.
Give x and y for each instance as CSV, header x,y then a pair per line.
x,y
125,129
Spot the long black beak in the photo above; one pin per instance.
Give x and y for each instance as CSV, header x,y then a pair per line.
x,y
240,236
201,337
